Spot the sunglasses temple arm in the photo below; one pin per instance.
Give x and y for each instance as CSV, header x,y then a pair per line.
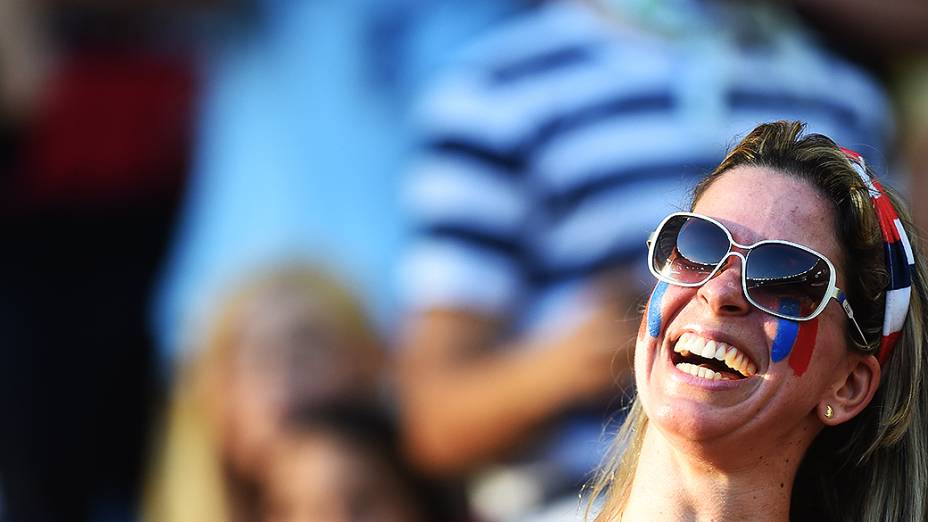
x,y
841,298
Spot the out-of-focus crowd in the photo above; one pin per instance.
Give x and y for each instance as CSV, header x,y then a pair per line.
x,y
271,260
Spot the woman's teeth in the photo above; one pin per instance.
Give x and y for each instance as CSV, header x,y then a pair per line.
x,y
699,371
690,343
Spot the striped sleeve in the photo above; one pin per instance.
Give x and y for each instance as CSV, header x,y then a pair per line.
x,y
466,201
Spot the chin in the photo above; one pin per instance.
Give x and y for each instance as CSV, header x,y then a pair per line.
x,y
692,412
693,420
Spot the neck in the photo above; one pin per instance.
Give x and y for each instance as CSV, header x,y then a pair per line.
x,y
672,483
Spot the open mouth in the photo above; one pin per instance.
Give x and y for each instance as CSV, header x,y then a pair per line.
x,y
710,359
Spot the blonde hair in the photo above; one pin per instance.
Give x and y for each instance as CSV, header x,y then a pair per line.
x,y
874,467
187,482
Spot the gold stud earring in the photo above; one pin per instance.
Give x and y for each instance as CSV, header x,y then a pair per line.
x,y
829,411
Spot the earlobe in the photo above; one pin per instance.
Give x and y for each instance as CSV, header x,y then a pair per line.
x,y
850,396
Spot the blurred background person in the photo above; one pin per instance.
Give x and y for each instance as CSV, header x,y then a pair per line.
x,y
96,102
302,139
550,149
343,462
288,337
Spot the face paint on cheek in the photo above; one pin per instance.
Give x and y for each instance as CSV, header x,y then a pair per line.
x,y
794,339
802,350
654,309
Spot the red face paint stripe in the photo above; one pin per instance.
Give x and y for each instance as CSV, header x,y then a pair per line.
x,y
802,350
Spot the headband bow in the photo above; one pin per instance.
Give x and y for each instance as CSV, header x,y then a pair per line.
x,y
900,263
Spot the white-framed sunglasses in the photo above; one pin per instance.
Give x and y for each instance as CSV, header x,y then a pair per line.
x,y
779,277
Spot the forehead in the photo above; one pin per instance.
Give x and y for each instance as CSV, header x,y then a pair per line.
x,y
758,203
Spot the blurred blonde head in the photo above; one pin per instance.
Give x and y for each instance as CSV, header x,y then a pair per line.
x,y
290,336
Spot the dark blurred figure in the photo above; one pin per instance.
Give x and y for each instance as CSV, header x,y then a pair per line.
x,y
95,122
286,337
342,463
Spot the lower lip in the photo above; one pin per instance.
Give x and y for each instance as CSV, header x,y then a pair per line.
x,y
679,375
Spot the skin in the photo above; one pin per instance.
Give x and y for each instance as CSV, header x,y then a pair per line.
x,y
319,477
468,397
729,450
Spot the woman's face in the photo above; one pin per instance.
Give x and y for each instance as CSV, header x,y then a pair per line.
x,y
290,351
777,405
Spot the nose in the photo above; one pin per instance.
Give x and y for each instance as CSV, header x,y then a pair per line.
x,y
723,293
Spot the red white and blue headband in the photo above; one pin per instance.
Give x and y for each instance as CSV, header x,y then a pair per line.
x,y
900,263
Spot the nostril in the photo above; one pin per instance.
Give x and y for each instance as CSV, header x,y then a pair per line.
x,y
730,308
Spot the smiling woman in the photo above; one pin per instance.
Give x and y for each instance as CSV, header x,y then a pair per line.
x,y
758,399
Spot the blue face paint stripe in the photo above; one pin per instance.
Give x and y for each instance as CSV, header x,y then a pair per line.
x,y
787,331
654,309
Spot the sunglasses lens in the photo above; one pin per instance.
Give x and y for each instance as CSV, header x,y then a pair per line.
x,y
786,279
688,248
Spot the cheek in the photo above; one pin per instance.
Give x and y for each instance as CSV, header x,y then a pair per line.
x,y
665,303
802,348
654,315
795,340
